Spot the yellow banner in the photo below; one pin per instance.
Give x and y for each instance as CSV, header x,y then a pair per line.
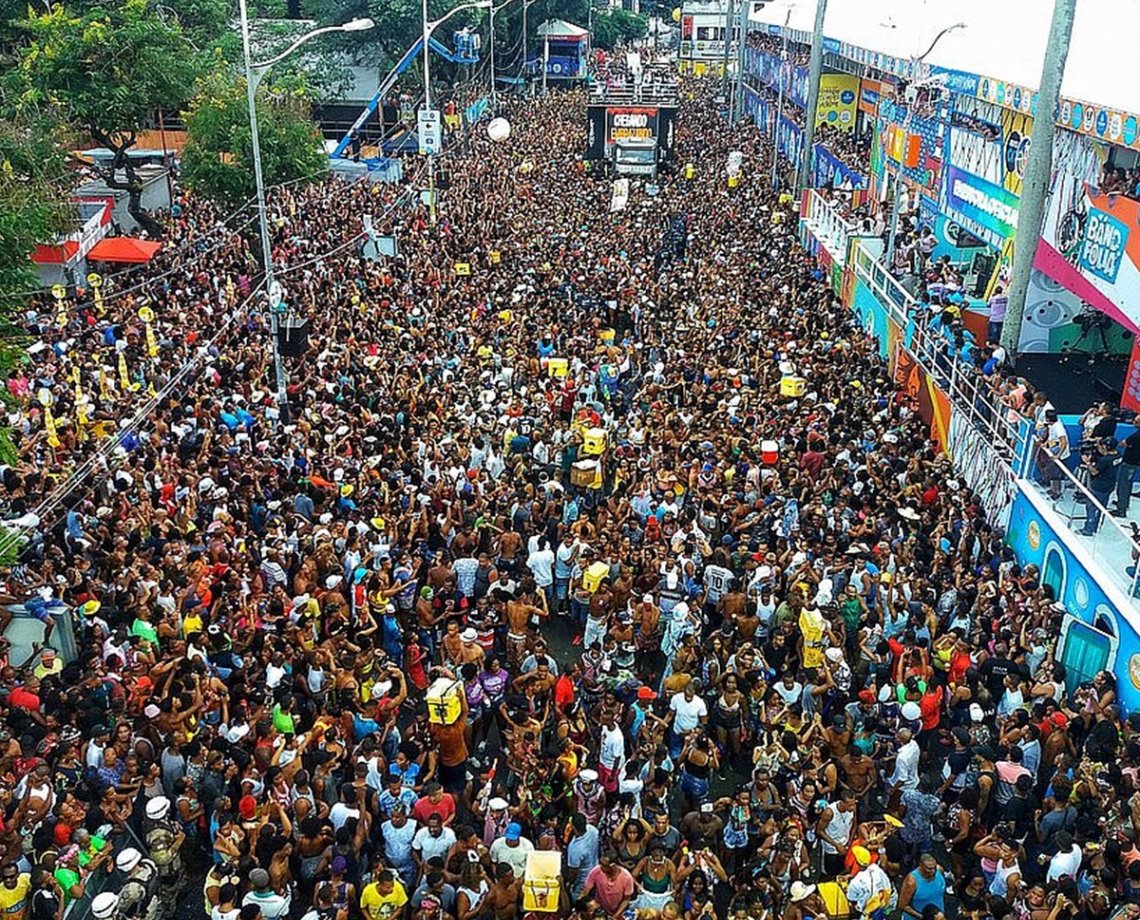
x,y
838,97
124,376
151,342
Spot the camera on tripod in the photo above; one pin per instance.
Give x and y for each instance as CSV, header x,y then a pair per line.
x,y
1089,319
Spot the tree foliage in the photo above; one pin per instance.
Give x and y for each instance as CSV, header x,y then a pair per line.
x,y
217,160
34,206
617,27
108,70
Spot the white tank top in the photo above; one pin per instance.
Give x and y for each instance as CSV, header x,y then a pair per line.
x,y
839,827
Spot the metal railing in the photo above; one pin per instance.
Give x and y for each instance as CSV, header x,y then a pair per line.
x,y
934,352
827,225
1115,545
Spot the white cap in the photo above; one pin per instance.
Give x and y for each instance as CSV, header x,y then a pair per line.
x,y
104,905
127,859
469,634
333,581
498,803
589,776
977,714
158,807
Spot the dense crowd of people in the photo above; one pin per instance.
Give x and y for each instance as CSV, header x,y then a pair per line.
x,y
850,144
571,543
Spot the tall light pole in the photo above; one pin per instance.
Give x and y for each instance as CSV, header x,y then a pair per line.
x,y
921,81
253,75
1038,169
429,27
727,44
780,96
737,105
816,65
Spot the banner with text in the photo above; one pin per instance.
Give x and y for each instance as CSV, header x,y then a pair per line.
x,y
838,95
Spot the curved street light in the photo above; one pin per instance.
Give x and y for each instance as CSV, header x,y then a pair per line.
x,y
253,75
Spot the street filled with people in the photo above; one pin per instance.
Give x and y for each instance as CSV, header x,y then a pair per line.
x,y
595,569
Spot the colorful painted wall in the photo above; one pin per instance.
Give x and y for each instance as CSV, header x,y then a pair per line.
x,y
1099,632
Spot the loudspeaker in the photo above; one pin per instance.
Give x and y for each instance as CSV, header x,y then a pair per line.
x,y
293,336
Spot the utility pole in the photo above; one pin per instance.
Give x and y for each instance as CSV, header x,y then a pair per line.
x,y
1038,170
804,176
727,44
780,98
737,110
545,60
526,7
494,105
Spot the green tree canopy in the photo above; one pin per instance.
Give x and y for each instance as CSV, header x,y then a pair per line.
x,y
34,207
217,160
107,71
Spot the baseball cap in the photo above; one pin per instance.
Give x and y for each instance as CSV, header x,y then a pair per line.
x,y
514,831
646,693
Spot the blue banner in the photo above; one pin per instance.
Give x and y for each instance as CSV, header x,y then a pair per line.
x,y
828,171
764,67
958,81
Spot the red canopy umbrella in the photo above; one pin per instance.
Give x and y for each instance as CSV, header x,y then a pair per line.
x,y
123,249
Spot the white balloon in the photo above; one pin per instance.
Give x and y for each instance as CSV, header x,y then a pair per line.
x,y
499,129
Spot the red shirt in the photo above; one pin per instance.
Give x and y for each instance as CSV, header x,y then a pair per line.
x,y
425,808
24,699
563,691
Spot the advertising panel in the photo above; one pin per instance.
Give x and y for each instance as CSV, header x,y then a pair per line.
x,y
607,124
870,92
838,94
979,202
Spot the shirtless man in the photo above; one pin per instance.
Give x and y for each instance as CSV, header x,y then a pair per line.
x,y
519,613
859,773
504,895
509,544
734,607
648,618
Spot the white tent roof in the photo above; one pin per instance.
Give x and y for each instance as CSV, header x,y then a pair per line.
x,y
1003,39
556,27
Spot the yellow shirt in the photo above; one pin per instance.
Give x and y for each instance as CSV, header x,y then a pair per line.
x,y
811,627
14,901
377,906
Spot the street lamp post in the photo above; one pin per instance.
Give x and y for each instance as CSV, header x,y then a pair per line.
x,y
253,75
429,27
896,198
780,96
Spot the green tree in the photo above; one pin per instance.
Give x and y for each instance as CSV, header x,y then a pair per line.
x,y
217,160
107,71
34,208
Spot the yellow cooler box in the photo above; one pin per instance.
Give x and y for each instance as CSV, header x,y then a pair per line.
x,y
834,900
593,577
443,703
594,441
793,386
585,474
556,367
542,881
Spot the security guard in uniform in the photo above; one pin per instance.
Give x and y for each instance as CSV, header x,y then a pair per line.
x,y
138,896
164,841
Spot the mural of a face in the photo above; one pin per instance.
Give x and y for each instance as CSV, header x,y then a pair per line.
x,y
1047,306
